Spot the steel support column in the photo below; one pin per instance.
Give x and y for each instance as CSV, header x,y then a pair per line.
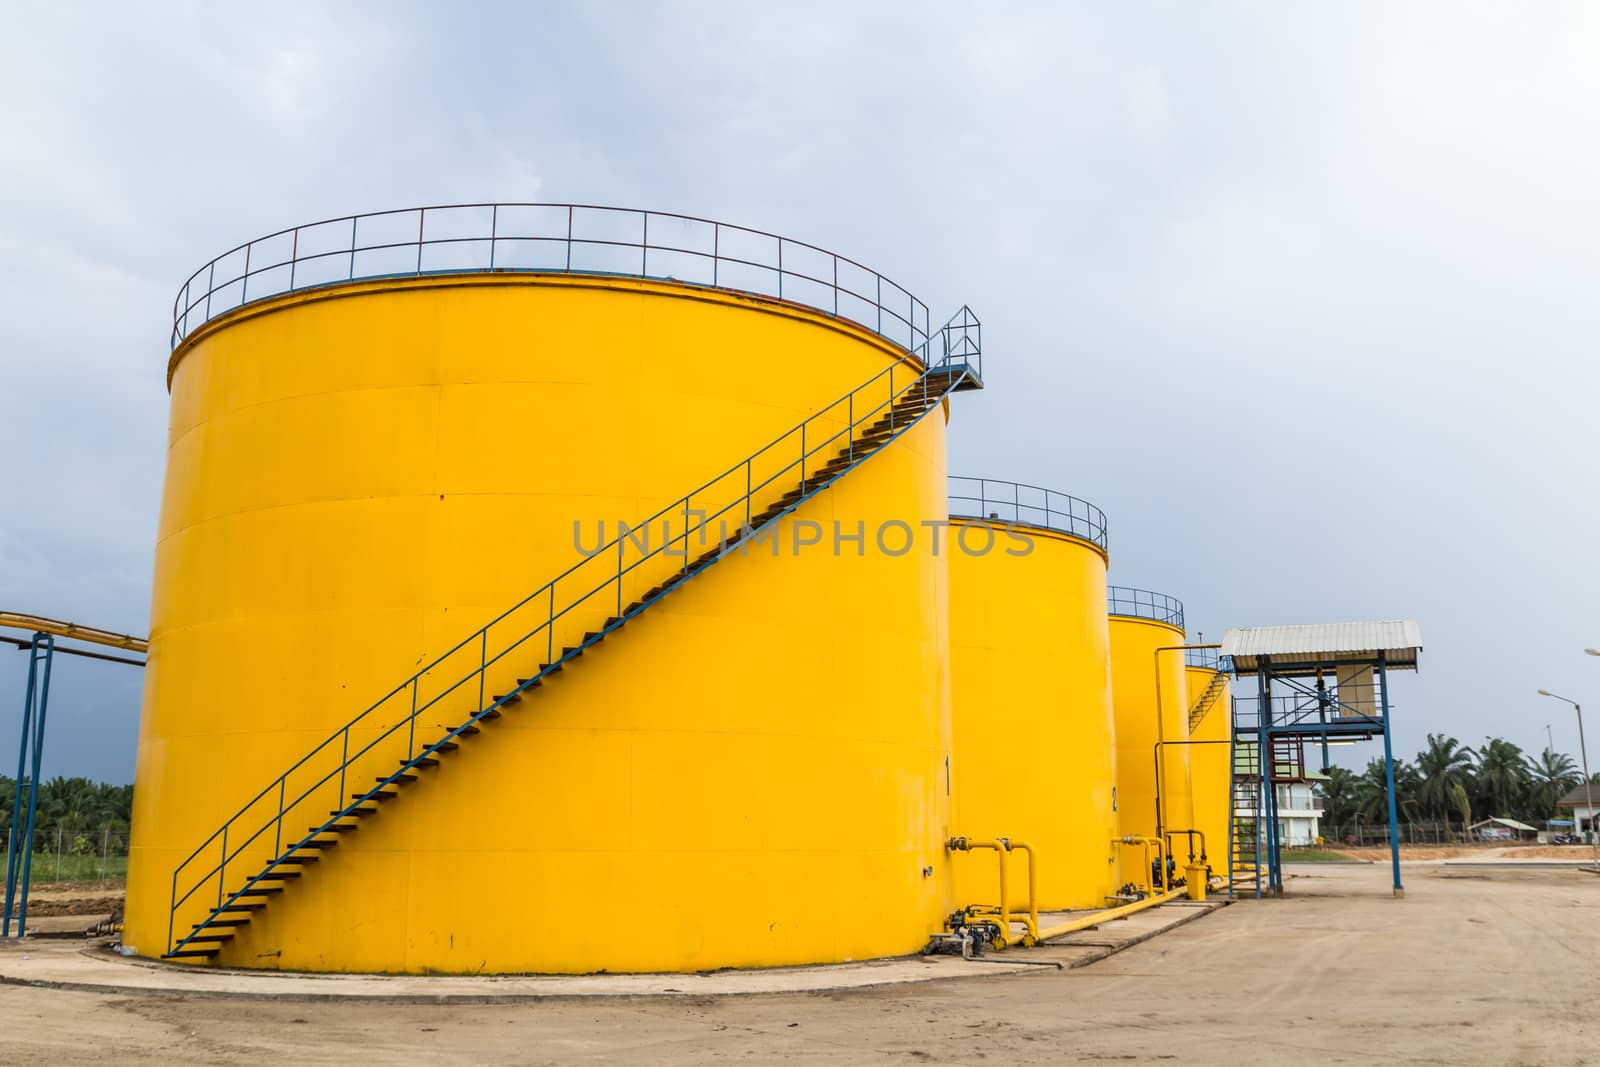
x,y
1388,774
1269,795
19,849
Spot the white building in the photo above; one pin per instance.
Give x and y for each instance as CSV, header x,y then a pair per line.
x,y
1577,802
1299,814
1299,809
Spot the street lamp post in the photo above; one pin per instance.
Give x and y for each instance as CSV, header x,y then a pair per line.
x,y
1583,750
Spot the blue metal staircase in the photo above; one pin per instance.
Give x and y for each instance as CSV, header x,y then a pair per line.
x,y
380,745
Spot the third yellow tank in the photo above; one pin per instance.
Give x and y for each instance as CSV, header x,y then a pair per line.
x,y
1033,752
1149,693
1208,719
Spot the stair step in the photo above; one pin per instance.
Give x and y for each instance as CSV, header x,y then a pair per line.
x,y
446,746
320,843
551,668
181,953
574,651
199,938
489,714
509,698
382,794
424,761
299,859
530,683
277,875
468,730
332,828
222,922
239,907
260,891
358,812
396,778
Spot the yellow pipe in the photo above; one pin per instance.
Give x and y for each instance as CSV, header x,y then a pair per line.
x,y
1033,897
1147,843
1095,918
39,624
1001,846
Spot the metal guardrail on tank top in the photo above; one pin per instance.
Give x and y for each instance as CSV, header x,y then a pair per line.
x,y
1143,604
1029,505
453,239
818,451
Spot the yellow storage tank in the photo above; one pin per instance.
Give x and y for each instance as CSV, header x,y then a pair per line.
x,y
1149,693
1209,718
376,450
1034,753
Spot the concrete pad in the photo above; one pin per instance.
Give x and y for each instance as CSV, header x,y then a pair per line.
x,y
98,968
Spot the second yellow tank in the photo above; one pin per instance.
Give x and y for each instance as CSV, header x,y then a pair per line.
x,y
1033,751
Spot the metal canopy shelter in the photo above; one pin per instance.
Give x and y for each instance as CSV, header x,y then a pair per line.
x,y
41,648
1313,683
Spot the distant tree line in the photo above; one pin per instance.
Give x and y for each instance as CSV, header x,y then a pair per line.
x,y
73,805
1452,783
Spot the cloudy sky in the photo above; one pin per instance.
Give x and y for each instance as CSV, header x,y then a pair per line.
x,y
1303,296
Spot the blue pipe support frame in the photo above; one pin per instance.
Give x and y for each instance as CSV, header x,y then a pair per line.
x,y
1345,725
1322,715
41,655
1388,775
1269,792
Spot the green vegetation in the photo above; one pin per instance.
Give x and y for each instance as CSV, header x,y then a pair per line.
x,y
1450,781
1314,855
80,829
73,805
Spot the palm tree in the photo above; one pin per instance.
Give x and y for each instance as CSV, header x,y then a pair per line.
x,y
1460,801
1338,796
1444,763
1552,774
1502,772
1370,792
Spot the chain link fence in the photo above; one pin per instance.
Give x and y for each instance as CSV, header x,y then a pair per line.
x,y
61,854
1414,832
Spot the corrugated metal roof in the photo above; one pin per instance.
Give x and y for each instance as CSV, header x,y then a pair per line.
x,y
1325,643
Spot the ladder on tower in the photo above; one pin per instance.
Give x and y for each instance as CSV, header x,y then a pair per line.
x,y
1245,819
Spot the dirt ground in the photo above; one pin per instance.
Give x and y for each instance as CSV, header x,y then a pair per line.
x,y
75,898
1491,965
1577,853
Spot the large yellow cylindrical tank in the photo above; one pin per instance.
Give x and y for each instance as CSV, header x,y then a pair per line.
x,y
1034,751
752,773
1211,781
1149,693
